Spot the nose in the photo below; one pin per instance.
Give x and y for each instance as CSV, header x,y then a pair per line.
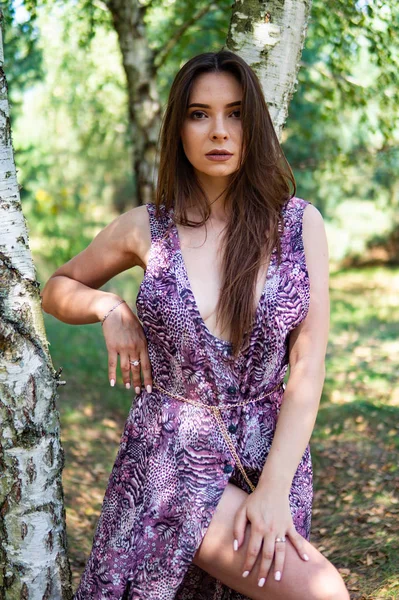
x,y
219,129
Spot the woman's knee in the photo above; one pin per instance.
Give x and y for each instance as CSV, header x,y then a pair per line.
x,y
326,583
316,579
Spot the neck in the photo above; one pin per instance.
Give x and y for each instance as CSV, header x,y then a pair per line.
x,y
214,188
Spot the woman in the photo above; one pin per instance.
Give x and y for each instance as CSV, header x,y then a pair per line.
x,y
235,289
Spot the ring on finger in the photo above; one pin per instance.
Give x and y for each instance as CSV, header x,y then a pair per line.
x,y
280,539
135,363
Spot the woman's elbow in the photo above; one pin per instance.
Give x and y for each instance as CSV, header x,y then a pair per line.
x,y
44,294
310,368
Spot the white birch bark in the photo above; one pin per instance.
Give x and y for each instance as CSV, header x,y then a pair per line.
x,y
270,37
33,558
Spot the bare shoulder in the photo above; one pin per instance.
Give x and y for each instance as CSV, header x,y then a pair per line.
x,y
124,243
133,227
315,244
312,217
313,229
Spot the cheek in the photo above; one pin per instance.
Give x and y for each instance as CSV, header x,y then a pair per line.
x,y
238,132
189,137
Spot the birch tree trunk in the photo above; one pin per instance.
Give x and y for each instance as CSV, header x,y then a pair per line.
x,y
33,558
144,105
270,37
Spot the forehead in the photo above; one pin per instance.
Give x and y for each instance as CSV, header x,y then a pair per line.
x,y
215,87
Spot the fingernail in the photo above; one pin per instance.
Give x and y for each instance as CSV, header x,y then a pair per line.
x,y
306,557
137,389
245,574
112,382
235,544
261,582
127,386
277,576
149,389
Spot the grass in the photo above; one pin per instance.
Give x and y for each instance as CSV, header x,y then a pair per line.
x,y
354,444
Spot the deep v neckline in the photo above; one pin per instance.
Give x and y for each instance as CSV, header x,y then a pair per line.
x,y
226,343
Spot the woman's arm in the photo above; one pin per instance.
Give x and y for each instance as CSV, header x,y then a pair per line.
x,y
267,508
72,295
307,350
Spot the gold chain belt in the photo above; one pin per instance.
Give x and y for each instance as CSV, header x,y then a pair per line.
x,y
218,417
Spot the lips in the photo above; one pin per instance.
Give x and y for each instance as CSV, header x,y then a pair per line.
x,y
222,152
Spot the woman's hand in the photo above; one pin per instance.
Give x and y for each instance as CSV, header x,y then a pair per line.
x,y
124,336
270,517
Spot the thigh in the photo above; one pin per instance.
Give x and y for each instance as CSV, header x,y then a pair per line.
x,y
316,579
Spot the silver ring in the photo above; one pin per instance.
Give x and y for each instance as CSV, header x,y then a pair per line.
x,y
280,539
135,363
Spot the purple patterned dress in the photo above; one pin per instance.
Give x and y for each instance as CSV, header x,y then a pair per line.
x,y
173,462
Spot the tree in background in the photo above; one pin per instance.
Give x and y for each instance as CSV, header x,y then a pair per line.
x,y
32,516
33,559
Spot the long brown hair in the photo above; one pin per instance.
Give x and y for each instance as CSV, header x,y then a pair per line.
x,y
255,194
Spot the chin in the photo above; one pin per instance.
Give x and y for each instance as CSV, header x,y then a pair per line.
x,y
215,174
216,170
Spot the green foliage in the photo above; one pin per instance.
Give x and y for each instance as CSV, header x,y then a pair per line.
x,y
22,55
207,34
72,141
343,121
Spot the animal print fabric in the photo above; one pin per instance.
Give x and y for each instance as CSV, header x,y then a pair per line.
x,y
173,462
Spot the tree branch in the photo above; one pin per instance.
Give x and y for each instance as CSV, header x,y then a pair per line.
x,y
162,54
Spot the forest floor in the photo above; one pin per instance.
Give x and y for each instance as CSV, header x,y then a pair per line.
x,y
354,445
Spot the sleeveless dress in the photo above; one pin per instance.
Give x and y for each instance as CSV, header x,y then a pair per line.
x,y
173,463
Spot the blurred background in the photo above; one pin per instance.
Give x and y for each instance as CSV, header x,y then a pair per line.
x,y
73,149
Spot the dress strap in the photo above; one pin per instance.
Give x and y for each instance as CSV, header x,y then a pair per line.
x,y
293,225
159,225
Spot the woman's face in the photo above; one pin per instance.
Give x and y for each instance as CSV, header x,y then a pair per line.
x,y
213,122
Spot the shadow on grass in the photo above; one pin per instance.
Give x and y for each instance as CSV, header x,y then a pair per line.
x,y
356,505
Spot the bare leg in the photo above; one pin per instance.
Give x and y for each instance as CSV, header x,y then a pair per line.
x,y
316,579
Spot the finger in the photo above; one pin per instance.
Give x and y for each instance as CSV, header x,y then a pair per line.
x,y
112,362
268,551
254,546
239,527
146,369
279,558
136,380
125,368
298,542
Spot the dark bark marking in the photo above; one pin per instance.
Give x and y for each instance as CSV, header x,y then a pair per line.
x,y
49,455
24,592
31,470
49,540
24,529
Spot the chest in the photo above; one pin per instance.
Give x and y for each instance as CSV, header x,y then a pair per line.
x,y
202,264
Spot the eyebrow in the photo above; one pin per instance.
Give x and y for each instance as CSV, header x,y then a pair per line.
x,y
237,103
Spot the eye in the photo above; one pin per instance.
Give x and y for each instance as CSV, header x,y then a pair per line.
x,y
197,115
196,112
